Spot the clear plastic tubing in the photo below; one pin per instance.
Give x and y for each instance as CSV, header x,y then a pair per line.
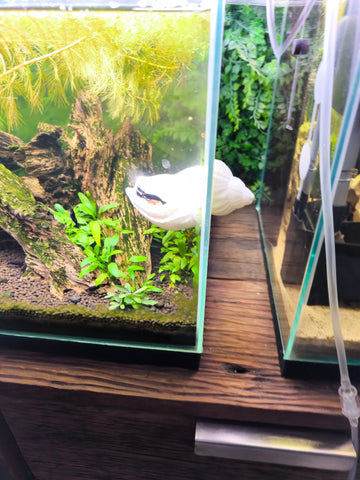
x,y
270,18
325,176
347,392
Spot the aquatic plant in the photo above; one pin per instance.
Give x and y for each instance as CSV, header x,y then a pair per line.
x,y
129,296
101,258
180,251
86,227
129,63
84,224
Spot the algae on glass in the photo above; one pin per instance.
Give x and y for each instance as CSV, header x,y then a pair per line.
x,y
89,100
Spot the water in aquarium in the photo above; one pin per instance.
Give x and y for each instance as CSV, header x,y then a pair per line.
x,y
314,136
104,171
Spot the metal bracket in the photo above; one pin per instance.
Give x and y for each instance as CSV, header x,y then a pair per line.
x,y
327,450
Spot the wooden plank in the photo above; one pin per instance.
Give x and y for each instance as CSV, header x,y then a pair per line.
x,y
235,250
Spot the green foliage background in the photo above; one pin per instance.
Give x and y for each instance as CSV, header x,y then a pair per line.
x,y
247,78
246,91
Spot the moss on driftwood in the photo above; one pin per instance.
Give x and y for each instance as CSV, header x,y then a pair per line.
x,y
47,252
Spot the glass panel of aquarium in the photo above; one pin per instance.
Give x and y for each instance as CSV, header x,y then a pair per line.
x,y
107,127
310,83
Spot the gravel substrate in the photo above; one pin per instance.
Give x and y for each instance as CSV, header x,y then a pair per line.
x,y
19,287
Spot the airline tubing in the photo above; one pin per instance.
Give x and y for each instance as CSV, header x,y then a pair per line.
x,y
325,178
270,18
347,392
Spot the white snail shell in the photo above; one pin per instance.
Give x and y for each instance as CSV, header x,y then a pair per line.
x,y
229,193
181,195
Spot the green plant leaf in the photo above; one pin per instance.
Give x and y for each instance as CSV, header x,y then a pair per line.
x,y
170,234
86,261
114,270
106,208
60,208
123,275
175,278
183,263
114,240
95,228
134,268
138,258
137,299
147,301
90,268
101,278
81,238
128,300
108,222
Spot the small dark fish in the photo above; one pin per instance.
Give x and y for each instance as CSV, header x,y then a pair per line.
x,y
73,217
150,198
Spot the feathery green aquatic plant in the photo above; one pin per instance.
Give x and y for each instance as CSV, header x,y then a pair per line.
x,y
127,59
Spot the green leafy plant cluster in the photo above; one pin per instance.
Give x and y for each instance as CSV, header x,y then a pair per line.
x,y
247,95
85,227
99,238
129,296
180,251
248,73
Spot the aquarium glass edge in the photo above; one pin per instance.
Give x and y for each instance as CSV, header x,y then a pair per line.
x,y
216,37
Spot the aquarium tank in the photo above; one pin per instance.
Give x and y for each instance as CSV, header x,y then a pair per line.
x,y
108,116
309,197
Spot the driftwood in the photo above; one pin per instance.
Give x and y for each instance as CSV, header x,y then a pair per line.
x,y
8,145
105,164
59,163
47,251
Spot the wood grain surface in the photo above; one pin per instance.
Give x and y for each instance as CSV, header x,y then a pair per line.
x,y
90,416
